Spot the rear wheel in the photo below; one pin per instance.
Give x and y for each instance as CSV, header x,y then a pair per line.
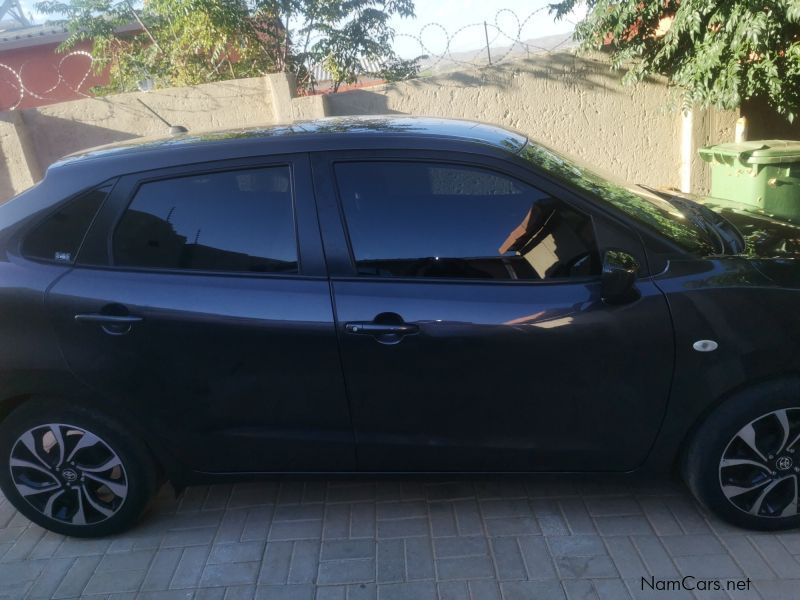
x,y
744,461
72,471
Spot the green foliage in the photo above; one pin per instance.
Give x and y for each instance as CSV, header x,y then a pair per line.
x,y
341,34
716,53
186,42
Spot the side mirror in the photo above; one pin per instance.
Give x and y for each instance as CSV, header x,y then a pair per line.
x,y
619,277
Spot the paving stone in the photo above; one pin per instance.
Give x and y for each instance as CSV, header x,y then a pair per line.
x,y
512,526
362,520
129,561
538,561
577,517
276,562
579,589
625,556
407,591
162,568
576,545
419,558
626,525
397,528
508,561
467,567
305,561
611,589
114,581
527,590
460,546
401,510
483,589
235,553
340,549
295,530
299,512
391,561
77,577
50,578
585,567
190,566
453,590
518,507
229,574
655,557
719,566
692,545
240,592
285,592
777,556
611,507
346,571
660,516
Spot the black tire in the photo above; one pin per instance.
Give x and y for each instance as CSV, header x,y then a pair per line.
x,y
766,409
84,506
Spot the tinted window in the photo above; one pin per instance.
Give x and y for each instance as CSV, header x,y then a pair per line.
x,y
647,208
59,236
435,220
231,221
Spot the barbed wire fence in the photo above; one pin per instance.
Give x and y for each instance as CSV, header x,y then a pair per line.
x,y
15,90
506,35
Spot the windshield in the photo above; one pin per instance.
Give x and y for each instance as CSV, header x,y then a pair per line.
x,y
648,209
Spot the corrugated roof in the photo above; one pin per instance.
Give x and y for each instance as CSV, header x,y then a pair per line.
x,y
31,36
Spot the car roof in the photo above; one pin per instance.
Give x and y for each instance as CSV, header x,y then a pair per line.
x,y
322,134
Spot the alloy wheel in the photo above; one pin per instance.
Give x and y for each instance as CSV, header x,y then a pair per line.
x,y
68,474
760,468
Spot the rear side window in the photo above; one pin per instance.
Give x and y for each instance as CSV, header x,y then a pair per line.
x,y
59,236
237,221
415,219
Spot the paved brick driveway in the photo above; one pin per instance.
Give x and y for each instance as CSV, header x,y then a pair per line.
x,y
471,539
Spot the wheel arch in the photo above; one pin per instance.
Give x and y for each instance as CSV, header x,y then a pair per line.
x,y
780,382
82,398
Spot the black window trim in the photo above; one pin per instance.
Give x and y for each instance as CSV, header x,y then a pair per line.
x,y
442,159
129,185
109,183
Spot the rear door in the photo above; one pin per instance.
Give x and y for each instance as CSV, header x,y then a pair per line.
x,y
200,305
472,329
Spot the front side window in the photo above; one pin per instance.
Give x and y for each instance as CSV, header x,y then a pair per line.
x,y
59,236
415,219
237,221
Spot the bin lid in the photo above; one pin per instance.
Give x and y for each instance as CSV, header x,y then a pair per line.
x,y
756,152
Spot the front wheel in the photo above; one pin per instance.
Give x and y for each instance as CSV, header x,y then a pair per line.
x,y
743,462
72,471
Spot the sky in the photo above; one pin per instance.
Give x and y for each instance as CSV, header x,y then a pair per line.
x,y
446,17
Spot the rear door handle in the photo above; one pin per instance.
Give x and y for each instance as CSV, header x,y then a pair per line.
x,y
107,319
370,328
110,324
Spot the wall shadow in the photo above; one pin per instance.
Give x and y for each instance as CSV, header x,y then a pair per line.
x,y
55,137
358,102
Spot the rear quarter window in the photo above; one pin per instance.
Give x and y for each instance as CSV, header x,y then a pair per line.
x,y
58,237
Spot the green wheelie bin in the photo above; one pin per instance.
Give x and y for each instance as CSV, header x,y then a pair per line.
x,y
763,174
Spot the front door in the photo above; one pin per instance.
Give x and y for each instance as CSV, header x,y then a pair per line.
x,y
200,304
471,325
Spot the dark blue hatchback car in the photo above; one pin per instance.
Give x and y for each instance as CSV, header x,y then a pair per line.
x,y
393,295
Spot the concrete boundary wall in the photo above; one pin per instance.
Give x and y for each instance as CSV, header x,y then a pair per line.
x,y
571,103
